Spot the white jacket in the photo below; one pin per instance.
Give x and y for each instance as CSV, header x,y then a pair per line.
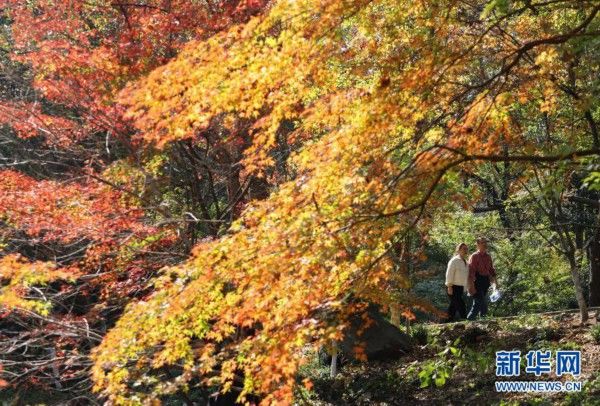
x,y
457,272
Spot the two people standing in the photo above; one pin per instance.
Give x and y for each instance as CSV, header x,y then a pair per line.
x,y
476,275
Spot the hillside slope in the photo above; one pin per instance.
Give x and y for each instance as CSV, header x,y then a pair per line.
x,y
455,364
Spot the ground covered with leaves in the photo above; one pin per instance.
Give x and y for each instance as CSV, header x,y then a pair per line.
x,y
455,364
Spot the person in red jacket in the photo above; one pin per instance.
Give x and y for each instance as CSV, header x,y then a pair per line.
x,y
481,275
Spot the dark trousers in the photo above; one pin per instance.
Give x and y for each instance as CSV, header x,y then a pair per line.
x,y
482,284
457,303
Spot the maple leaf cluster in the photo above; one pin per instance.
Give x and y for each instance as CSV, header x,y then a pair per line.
x,y
386,101
82,226
248,172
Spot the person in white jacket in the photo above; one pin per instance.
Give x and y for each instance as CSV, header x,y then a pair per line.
x,y
457,276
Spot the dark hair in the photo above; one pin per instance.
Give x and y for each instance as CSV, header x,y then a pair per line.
x,y
459,246
481,240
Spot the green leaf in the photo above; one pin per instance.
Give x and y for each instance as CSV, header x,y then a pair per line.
x,y
501,6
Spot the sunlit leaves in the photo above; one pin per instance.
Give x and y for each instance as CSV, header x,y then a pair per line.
x,y
385,97
377,102
17,279
51,211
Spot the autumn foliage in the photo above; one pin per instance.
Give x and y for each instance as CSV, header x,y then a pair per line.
x,y
294,145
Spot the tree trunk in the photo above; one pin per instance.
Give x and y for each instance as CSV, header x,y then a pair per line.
x,y
334,359
395,315
594,259
574,264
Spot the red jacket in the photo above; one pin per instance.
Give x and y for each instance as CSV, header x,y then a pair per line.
x,y
481,263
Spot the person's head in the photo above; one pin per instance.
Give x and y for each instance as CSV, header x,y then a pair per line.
x,y
482,244
462,249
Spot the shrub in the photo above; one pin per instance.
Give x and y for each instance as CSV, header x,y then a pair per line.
x,y
420,334
595,332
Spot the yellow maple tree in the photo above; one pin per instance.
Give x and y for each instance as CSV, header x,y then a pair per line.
x,y
388,99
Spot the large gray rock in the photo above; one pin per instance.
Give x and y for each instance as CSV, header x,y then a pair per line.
x,y
382,341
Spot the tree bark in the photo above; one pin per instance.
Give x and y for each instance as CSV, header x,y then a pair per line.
x,y
594,259
574,264
395,315
334,358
